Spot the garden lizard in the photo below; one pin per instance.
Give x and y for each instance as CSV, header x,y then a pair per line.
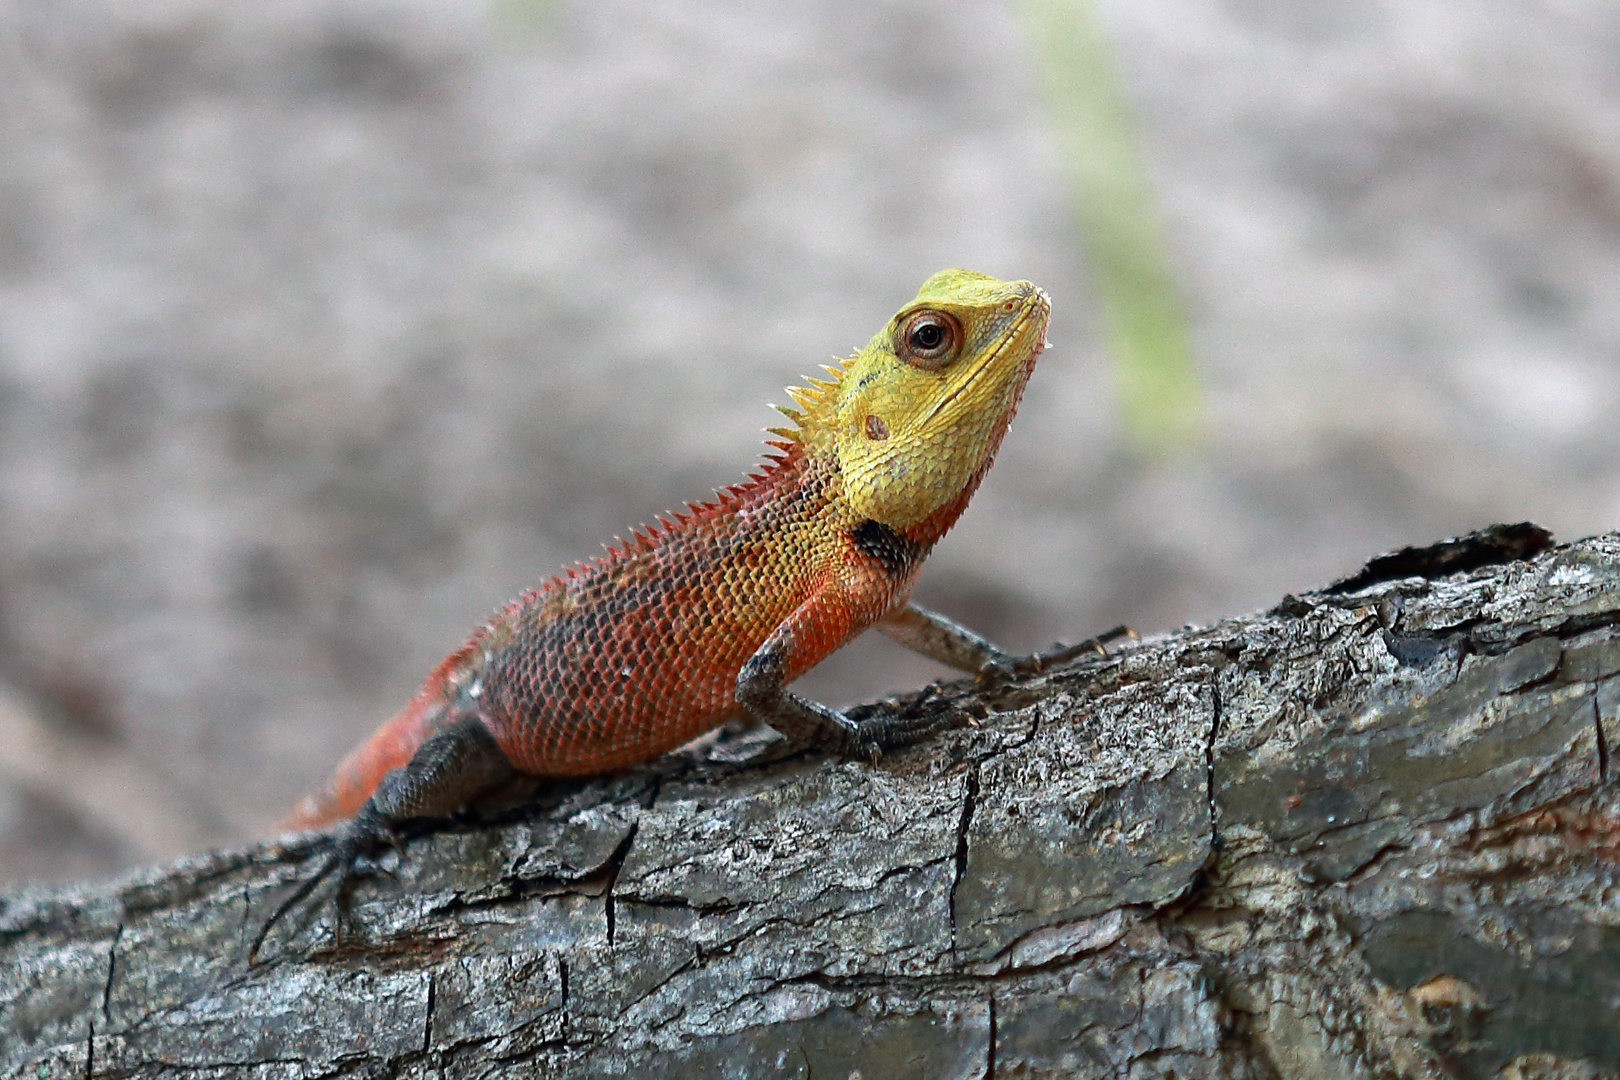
x,y
709,614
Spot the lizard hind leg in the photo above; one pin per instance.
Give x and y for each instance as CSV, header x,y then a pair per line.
x,y
446,773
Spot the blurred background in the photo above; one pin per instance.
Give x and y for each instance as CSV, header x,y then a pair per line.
x,y
327,325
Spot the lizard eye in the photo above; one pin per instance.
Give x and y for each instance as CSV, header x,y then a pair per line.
x,y
930,340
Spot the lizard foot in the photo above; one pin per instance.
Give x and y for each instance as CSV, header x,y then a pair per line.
x,y
1005,669
348,858
877,728
446,772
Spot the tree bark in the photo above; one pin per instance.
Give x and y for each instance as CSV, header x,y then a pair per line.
x,y
1369,833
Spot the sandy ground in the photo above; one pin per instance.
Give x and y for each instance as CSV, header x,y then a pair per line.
x,y
326,326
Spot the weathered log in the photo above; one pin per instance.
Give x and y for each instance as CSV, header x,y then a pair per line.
x,y
1371,832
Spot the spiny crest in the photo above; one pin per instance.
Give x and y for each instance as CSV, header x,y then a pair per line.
x,y
645,537
814,403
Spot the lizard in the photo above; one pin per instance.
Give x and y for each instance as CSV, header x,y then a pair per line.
x,y
707,615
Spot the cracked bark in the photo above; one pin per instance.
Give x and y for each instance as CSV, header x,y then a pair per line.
x,y
1366,834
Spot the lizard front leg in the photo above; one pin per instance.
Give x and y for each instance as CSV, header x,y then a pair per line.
x,y
941,638
762,688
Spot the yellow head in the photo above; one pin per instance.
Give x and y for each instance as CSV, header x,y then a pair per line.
x,y
915,417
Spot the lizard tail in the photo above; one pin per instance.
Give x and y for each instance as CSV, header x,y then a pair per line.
x,y
391,746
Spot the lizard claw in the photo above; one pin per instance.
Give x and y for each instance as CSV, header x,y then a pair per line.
x,y
866,747
995,672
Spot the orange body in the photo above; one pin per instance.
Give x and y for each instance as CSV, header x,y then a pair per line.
x,y
628,657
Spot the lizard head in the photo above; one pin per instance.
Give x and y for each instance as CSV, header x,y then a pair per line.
x,y
915,418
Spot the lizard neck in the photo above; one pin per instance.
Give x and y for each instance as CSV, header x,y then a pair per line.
x,y
928,531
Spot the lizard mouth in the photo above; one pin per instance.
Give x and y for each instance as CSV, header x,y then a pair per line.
x,y
1014,333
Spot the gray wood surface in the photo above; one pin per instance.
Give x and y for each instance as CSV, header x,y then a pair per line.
x,y
1367,833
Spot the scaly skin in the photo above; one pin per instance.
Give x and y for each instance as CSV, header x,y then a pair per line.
x,y
708,615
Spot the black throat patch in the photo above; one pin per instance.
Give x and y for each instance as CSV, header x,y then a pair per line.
x,y
889,549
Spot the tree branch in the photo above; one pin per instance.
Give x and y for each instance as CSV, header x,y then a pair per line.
x,y
1368,833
